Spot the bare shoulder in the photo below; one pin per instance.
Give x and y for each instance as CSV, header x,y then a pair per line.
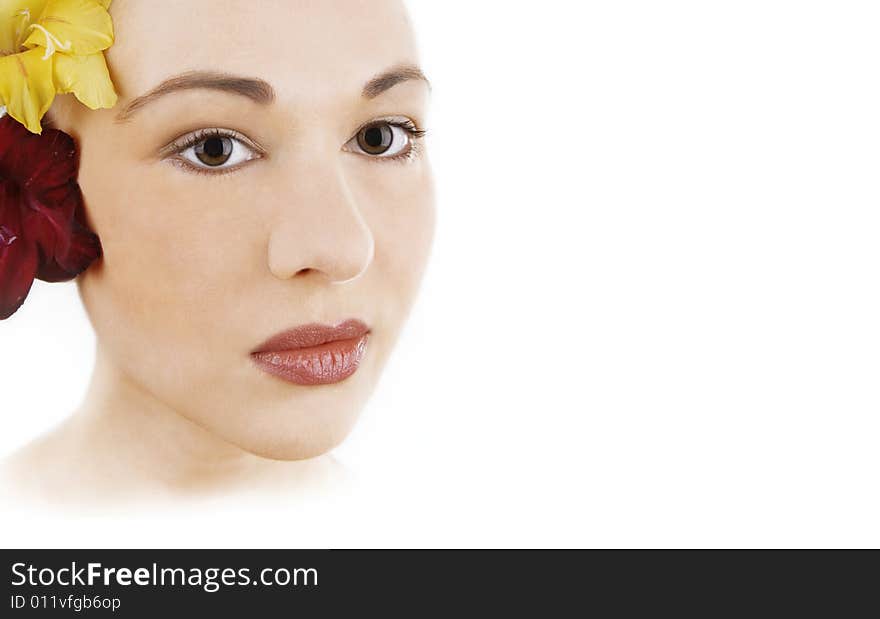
x,y
41,469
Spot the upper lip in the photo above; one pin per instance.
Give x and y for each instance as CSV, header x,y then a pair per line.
x,y
312,334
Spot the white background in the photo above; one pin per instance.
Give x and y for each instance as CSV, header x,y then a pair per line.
x,y
658,226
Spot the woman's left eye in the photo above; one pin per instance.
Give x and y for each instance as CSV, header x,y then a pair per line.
x,y
385,138
215,152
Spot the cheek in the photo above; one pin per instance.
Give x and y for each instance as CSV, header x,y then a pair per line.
x,y
174,256
401,214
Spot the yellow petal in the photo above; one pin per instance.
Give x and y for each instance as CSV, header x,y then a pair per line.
x,y
86,77
26,87
15,17
76,27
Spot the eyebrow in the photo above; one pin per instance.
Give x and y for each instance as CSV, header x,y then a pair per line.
x,y
254,89
392,77
258,90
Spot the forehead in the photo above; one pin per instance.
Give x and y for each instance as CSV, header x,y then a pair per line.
x,y
298,46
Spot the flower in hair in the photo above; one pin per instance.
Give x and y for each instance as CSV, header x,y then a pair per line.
x,y
48,47
42,226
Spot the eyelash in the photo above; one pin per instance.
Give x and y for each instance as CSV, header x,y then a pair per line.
x,y
180,145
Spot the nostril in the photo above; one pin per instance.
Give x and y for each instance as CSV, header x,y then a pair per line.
x,y
305,271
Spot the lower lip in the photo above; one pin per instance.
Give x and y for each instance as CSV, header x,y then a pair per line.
x,y
318,365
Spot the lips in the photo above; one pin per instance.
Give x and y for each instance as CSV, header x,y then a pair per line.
x,y
314,354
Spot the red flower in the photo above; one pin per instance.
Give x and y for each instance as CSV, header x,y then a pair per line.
x,y
42,226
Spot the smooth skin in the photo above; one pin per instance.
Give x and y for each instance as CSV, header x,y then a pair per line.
x,y
199,268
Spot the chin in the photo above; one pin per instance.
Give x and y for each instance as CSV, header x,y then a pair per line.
x,y
293,452
291,446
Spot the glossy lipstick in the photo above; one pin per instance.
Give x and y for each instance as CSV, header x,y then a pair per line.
x,y
314,354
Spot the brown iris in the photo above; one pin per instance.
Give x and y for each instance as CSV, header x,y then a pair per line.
x,y
214,151
376,139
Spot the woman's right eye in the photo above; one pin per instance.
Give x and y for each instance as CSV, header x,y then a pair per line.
x,y
218,152
213,150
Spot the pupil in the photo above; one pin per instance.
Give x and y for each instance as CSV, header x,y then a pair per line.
x,y
374,137
214,147
214,151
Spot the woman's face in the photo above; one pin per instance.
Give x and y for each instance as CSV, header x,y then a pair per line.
x,y
231,209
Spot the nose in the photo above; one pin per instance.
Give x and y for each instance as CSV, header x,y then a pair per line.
x,y
319,228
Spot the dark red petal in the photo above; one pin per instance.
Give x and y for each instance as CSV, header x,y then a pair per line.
x,y
85,248
18,256
66,245
48,220
36,162
45,234
84,245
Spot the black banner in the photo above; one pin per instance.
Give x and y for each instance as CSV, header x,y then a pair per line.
x,y
268,583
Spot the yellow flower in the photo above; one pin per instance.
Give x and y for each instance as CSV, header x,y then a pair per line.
x,y
27,87
53,46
